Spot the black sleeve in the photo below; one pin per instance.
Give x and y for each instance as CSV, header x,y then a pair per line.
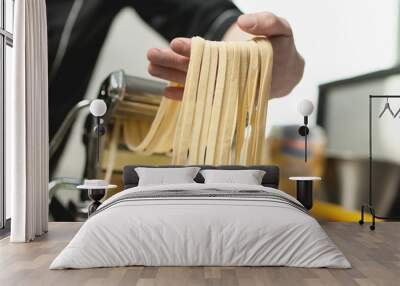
x,y
187,18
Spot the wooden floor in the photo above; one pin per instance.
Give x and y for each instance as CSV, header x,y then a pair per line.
x,y
375,257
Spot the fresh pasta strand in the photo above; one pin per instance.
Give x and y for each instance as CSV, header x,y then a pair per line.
x,y
242,104
216,105
200,106
209,102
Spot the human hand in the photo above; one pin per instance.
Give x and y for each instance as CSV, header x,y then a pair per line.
x,y
288,64
171,64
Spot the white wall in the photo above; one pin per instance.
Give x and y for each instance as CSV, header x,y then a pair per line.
x,y
337,38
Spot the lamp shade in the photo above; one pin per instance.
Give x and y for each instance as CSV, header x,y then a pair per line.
x,y
305,107
98,107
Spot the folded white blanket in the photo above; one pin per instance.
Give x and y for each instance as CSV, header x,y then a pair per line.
x,y
201,224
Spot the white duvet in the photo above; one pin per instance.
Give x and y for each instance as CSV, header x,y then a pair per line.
x,y
200,231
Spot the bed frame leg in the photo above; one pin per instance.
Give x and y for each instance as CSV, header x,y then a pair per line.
x,y
372,227
361,221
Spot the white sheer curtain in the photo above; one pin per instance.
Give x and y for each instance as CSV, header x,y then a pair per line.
x,y
27,124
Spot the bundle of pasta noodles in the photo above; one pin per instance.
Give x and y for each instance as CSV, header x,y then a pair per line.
x,y
222,116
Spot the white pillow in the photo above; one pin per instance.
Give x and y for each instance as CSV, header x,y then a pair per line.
x,y
247,177
166,176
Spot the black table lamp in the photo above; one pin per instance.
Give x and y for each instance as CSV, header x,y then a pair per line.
x,y
97,188
305,108
98,108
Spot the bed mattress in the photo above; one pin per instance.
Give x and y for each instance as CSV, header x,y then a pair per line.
x,y
201,225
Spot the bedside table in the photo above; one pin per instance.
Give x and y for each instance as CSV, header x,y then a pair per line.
x,y
97,189
304,190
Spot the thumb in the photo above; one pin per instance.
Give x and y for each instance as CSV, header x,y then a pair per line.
x,y
264,24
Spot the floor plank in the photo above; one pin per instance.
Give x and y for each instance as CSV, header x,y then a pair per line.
x,y
375,257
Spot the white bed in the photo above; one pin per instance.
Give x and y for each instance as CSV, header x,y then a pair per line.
x,y
249,226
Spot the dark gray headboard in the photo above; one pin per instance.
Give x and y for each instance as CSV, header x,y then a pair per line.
x,y
271,177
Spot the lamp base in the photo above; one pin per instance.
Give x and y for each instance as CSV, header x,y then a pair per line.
x,y
305,193
95,195
304,190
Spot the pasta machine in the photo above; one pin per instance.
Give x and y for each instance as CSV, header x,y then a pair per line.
x,y
125,95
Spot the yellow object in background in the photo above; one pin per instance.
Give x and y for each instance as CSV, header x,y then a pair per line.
x,y
334,212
